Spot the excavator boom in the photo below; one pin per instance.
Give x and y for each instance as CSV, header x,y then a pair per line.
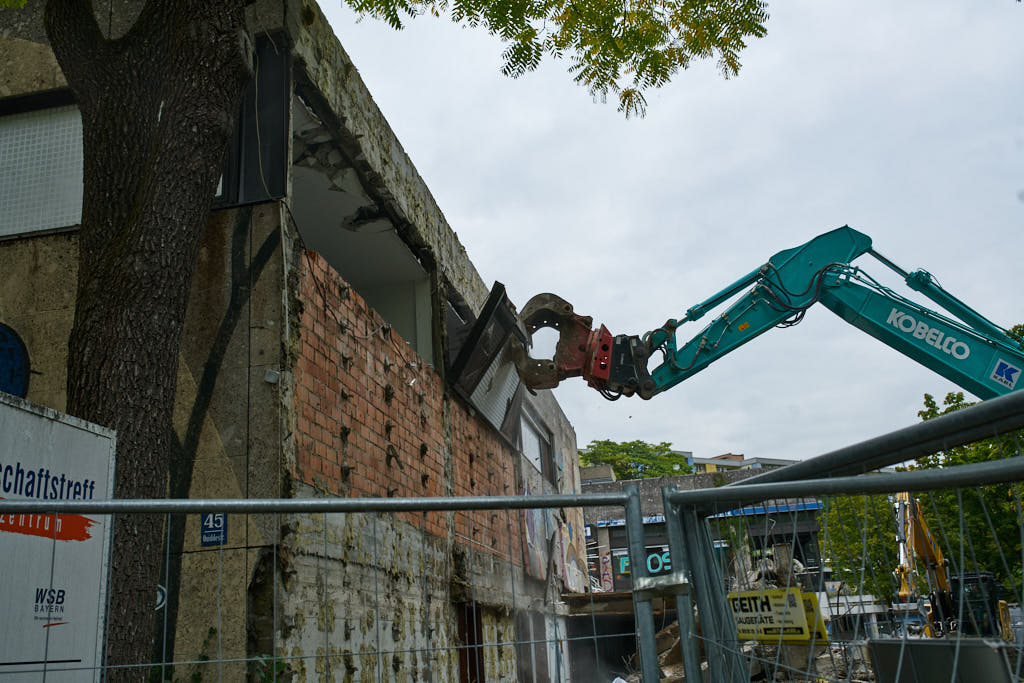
x,y
965,347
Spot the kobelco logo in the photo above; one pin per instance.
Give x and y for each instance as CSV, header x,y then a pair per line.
x,y
929,335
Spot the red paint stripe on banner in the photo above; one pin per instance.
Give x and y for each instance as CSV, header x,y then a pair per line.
x,y
57,527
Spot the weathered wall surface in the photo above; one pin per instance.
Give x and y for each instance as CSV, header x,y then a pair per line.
x,y
362,428
27,67
227,416
367,422
373,591
37,300
568,523
370,421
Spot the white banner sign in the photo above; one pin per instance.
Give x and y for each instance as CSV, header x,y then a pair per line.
x,y
53,568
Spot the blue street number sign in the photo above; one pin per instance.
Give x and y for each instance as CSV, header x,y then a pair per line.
x,y
213,528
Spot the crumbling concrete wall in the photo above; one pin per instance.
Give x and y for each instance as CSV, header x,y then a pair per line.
x,y
369,590
374,592
384,167
369,421
567,523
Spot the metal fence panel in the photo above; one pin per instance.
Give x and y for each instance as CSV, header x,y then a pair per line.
x,y
856,574
432,589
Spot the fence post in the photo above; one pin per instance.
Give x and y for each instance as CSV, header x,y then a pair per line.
x,y
684,603
643,614
716,622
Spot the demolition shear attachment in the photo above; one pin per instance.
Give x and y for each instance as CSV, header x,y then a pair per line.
x,y
580,351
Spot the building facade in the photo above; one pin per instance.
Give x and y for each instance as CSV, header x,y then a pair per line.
x,y
728,462
742,535
329,301
742,538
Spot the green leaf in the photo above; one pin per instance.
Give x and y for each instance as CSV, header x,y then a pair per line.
x,y
626,48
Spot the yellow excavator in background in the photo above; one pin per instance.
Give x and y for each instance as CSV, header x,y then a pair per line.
x,y
966,603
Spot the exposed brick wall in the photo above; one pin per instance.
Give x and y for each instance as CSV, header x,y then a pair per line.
x,y
373,421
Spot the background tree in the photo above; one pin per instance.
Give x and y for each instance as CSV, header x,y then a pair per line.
x,y
860,531
158,106
636,459
990,540
858,538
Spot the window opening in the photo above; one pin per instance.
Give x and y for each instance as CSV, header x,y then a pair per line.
x,y
532,648
339,218
471,655
535,445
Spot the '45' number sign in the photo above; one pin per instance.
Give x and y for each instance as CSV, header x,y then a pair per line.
x,y
213,528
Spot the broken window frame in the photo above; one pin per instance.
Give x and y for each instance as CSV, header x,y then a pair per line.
x,y
544,462
417,316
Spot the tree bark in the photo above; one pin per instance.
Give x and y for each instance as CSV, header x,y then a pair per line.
x,y
158,107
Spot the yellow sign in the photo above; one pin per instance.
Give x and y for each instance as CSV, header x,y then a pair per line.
x,y
769,615
813,616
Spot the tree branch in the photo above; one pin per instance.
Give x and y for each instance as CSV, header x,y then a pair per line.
x,y
74,35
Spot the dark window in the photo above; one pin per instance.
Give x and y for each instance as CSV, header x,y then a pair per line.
x,y
256,168
471,654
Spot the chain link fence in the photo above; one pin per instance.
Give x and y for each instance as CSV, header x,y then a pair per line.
x,y
896,559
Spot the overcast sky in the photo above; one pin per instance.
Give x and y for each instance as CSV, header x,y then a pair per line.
x,y
904,120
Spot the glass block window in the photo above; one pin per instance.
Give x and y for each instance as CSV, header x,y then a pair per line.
x,y
40,170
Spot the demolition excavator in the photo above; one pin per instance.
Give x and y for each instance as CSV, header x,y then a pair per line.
x,y
964,346
968,603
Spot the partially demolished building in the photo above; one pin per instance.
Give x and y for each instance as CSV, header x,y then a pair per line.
x,y
330,303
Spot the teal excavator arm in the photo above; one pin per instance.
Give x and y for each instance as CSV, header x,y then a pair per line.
x,y
967,349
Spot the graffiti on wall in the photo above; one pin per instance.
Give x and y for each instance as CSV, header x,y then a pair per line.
x,y
607,580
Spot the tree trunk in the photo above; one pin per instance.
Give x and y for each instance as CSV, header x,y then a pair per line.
x,y
158,107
